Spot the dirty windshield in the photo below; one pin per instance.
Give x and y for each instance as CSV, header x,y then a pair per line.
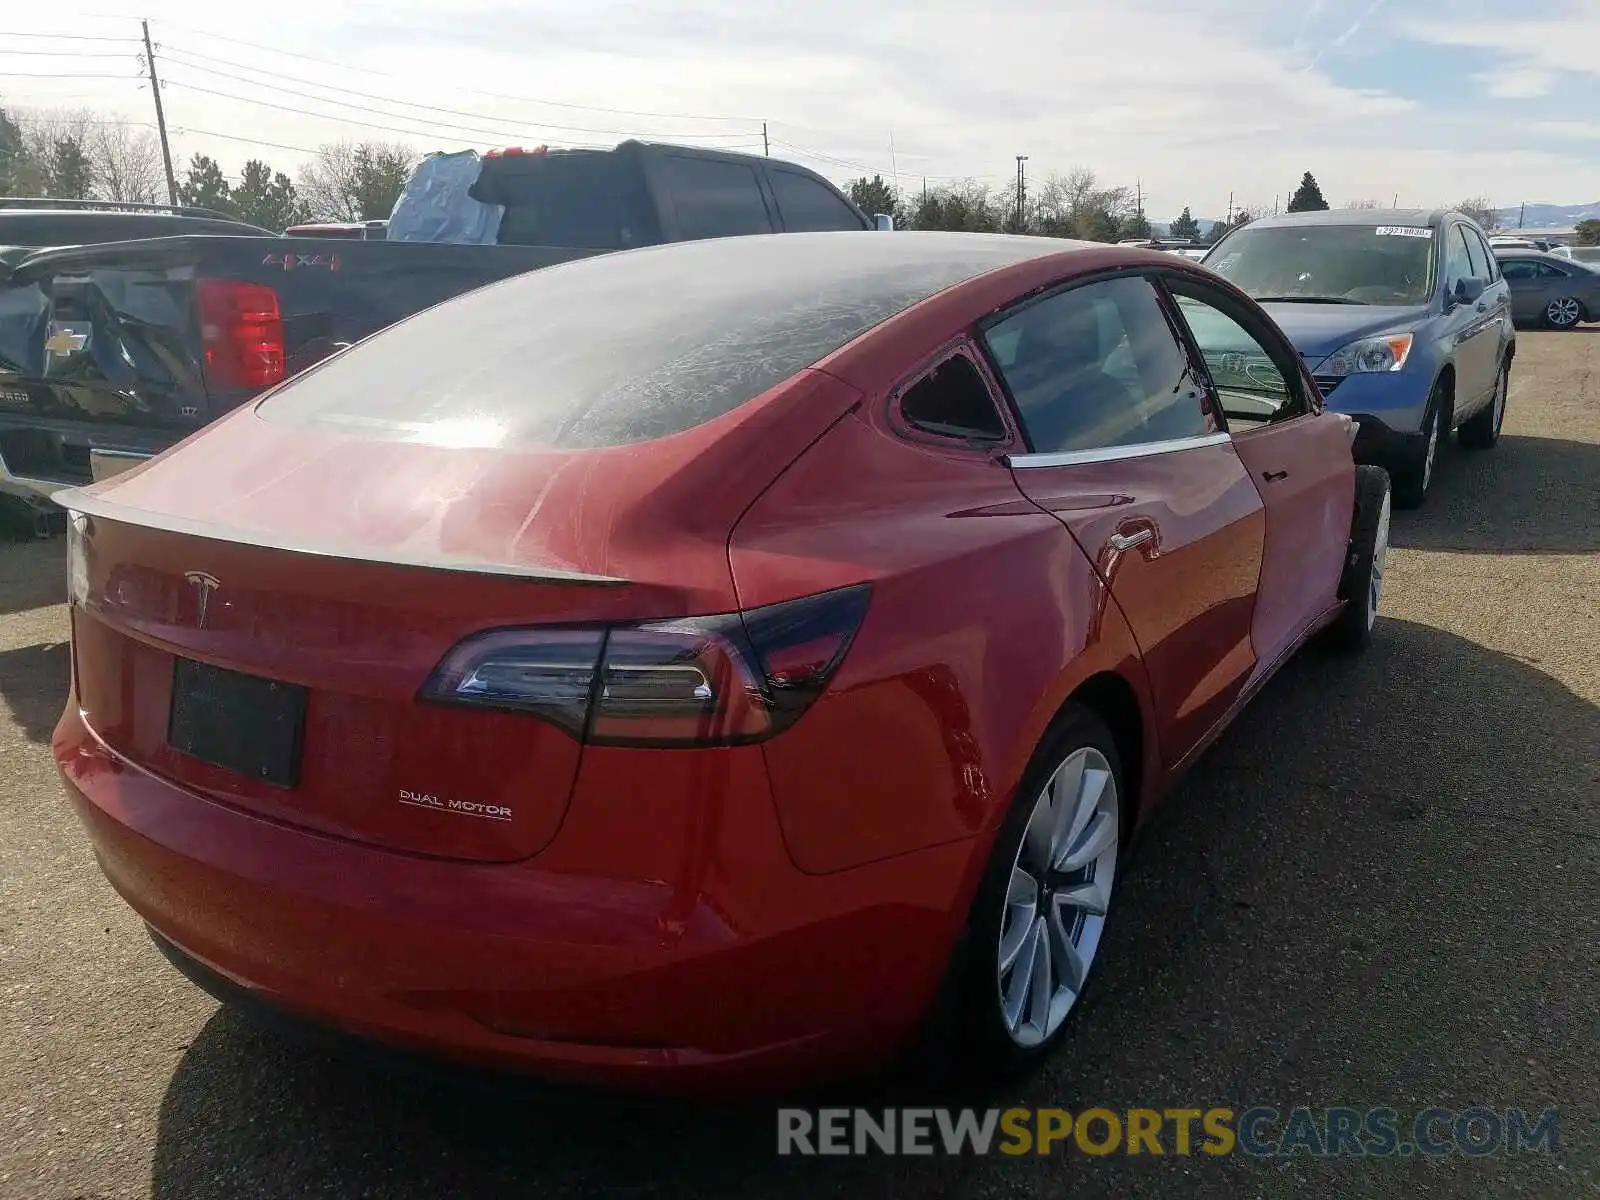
x,y
1333,264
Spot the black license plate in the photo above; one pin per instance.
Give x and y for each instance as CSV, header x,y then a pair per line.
x,y
240,722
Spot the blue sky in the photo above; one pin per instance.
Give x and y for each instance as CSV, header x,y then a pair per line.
x,y
1433,100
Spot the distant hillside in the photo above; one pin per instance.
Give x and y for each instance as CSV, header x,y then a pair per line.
x,y
1547,216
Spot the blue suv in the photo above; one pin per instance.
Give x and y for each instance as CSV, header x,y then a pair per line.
x,y
1402,316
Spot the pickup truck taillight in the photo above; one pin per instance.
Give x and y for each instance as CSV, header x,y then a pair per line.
x,y
241,334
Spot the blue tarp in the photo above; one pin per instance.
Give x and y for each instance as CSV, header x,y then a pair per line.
x,y
435,207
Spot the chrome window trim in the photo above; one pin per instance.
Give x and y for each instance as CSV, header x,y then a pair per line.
x,y
1074,458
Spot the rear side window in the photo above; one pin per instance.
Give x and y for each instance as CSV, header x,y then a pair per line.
x,y
1488,256
952,401
1458,263
809,205
622,348
1480,269
1098,366
712,198
579,200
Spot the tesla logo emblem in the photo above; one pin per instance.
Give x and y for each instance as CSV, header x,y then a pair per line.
x,y
204,585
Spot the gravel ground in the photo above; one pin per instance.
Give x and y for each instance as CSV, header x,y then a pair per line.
x,y
1378,889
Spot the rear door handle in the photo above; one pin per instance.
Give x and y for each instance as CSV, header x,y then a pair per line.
x,y
1274,476
1127,541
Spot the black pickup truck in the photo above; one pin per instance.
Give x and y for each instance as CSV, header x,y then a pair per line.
x,y
110,353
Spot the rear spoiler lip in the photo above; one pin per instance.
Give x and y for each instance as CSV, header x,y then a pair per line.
x,y
76,500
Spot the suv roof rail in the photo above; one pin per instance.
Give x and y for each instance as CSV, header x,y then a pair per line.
x,y
178,210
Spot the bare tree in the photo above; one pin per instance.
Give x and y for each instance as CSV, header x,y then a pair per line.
x,y
327,183
125,163
355,181
1480,209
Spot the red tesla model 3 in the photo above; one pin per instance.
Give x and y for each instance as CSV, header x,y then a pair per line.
x,y
696,667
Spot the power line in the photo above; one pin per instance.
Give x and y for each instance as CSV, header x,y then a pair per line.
x,y
73,37
60,75
451,132
306,112
519,123
345,66
808,152
186,130
7,52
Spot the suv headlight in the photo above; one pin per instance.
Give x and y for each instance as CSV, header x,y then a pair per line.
x,y
1385,353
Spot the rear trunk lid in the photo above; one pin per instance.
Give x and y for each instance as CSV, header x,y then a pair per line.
x,y
256,611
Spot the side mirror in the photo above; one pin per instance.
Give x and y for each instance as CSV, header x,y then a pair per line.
x,y
884,223
1468,290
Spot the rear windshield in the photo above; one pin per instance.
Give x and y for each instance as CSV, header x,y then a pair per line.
x,y
1348,264
580,199
626,347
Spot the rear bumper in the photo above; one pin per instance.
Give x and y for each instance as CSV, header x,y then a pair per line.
x,y
728,971
39,459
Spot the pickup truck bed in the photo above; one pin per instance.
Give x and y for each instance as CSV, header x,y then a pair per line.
x,y
125,348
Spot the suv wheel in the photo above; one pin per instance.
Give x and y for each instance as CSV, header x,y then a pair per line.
x,y
1413,477
1483,430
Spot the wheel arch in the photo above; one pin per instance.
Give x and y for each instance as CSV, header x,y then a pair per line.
x,y
1109,696
1445,384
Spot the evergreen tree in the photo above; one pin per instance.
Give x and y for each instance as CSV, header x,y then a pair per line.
x,y
1308,196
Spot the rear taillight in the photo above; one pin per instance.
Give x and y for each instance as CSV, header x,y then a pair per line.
x,y
694,681
241,334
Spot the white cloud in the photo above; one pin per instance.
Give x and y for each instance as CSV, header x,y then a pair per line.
x,y
1517,83
1194,105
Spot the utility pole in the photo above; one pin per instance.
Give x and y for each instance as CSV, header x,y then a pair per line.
x,y
1230,208
1022,192
765,147
161,118
1522,212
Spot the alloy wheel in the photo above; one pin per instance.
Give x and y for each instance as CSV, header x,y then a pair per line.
x,y
1380,551
1563,312
1431,454
1499,400
1058,897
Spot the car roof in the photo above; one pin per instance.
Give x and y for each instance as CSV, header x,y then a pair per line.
x,y
638,344
1353,216
1526,252
844,255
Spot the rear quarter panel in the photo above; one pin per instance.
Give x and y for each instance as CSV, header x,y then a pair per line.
x,y
984,617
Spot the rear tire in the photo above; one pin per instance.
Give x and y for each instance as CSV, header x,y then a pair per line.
x,y
1037,908
1361,585
1414,475
1483,430
1564,312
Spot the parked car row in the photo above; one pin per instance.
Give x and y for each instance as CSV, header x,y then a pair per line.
x,y
810,619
